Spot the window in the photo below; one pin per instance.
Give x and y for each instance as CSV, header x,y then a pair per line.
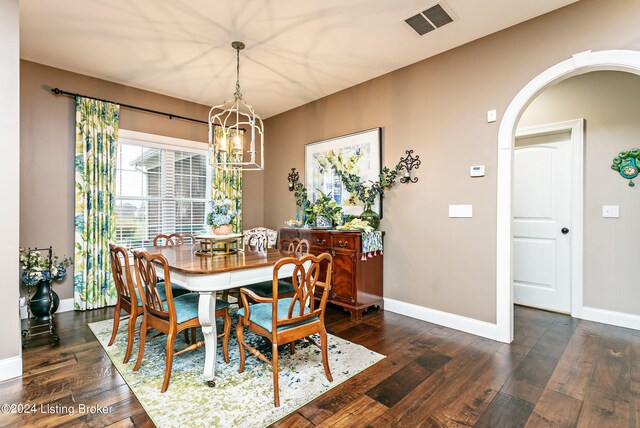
x,y
159,189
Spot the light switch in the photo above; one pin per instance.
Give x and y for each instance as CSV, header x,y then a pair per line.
x,y
460,211
491,116
611,211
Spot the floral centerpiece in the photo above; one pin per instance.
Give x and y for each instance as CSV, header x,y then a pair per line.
x,y
324,212
40,270
220,216
35,267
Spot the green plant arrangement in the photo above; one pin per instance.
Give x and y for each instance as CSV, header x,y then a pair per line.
x,y
365,192
301,196
326,207
347,171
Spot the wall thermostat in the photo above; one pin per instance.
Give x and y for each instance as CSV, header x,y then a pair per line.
x,y
477,171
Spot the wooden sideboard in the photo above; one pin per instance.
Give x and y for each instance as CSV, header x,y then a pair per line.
x,y
356,284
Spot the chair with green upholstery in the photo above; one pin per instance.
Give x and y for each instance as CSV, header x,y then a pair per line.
x,y
125,288
285,320
173,315
128,299
295,246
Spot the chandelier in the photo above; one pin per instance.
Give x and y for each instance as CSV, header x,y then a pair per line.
x,y
238,125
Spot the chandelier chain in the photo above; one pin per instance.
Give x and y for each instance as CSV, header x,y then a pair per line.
x,y
238,94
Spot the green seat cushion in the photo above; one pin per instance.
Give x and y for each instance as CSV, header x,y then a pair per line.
x,y
187,306
260,314
265,288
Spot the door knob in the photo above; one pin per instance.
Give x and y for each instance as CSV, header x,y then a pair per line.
x,y
564,230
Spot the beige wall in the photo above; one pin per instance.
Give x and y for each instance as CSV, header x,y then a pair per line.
x,y
438,108
608,101
47,145
9,177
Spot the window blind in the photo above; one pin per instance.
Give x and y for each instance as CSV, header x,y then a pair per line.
x,y
158,190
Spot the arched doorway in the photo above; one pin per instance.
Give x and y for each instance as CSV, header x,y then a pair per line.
x,y
585,62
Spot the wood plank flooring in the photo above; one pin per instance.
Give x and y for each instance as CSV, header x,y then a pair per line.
x,y
558,372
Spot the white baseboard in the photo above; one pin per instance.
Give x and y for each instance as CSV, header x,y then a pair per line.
x,y
468,325
604,316
10,368
66,305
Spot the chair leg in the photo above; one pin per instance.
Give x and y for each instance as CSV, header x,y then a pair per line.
x,y
131,331
143,339
276,389
292,346
116,323
186,337
240,336
227,333
325,354
171,341
194,339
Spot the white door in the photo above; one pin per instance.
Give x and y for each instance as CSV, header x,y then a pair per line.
x,y
541,221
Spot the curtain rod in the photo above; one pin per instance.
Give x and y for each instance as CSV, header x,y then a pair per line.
x,y
58,91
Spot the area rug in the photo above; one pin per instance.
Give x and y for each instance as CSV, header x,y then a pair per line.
x,y
238,399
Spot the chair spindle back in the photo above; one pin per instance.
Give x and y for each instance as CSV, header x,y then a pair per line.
x,y
147,283
306,276
121,270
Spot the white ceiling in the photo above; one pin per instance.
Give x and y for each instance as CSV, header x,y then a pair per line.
x,y
297,50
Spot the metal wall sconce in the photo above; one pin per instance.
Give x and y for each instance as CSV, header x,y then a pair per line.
x,y
293,178
408,163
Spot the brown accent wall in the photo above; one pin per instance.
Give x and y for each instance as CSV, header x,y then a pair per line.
x,y
47,151
608,101
438,108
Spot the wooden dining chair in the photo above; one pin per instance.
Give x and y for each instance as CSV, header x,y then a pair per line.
x,y
163,240
173,239
285,320
295,246
257,242
128,300
173,315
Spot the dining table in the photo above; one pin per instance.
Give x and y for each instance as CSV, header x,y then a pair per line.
x,y
207,274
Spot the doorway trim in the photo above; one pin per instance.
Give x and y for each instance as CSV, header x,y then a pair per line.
x,y
581,63
576,128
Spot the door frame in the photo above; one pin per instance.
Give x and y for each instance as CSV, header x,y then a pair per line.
x,y
576,237
581,63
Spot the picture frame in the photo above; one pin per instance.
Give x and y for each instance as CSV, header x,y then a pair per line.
x,y
368,143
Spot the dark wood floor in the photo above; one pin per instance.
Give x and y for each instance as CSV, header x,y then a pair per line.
x,y
558,372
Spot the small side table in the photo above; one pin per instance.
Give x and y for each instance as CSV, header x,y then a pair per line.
x,y
218,245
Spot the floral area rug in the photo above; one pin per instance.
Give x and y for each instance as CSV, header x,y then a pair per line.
x,y
238,399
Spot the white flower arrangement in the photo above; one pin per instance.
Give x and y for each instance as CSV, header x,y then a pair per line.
x,y
35,267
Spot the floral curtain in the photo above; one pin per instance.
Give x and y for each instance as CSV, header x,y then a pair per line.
x,y
228,184
95,161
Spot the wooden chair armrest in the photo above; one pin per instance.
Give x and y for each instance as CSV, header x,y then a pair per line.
x,y
245,303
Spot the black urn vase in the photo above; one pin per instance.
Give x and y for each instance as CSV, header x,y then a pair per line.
x,y
40,301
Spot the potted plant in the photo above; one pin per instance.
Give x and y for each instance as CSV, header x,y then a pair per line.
x,y
324,212
220,216
39,270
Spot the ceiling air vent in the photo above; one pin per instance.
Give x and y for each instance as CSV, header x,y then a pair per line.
x,y
437,15
430,19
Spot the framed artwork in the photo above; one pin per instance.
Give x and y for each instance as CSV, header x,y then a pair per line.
x,y
319,178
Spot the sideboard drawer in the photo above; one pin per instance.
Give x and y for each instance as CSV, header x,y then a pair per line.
x,y
320,240
343,242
